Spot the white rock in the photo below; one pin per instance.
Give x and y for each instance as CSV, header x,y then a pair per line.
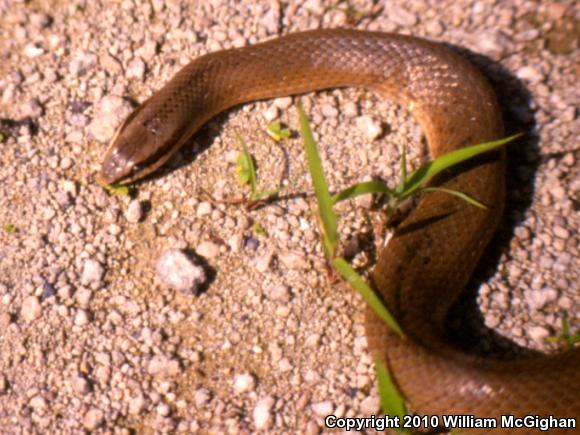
x,y
531,74
369,126
322,409
203,209
208,250
93,272
134,212
177,271
262,413
81,317
136,69
244,383
270,114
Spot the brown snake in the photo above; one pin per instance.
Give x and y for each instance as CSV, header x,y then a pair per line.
x,y
434,251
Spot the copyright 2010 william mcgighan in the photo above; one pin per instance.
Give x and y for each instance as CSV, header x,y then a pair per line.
x,y
381,423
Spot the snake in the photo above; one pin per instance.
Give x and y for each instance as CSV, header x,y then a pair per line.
x,y
428,262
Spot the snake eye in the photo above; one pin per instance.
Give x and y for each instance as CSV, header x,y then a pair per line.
x,y
136,168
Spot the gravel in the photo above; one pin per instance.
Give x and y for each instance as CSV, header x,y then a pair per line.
x,y
104,324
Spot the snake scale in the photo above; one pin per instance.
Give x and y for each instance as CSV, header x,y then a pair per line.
x,y
434,251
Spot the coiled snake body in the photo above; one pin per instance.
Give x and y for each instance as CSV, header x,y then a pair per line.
x,y
434,251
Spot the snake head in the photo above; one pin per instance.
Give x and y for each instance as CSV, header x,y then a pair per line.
x,y
137,149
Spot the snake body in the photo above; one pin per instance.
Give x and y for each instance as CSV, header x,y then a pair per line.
x,y
434,251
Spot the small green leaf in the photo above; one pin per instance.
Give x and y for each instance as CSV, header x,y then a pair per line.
x,y
367,293
118,189
391,401
259,229
9,228
374,186
277,132
569,339
330,236
2,137
461,195
246,169
429,170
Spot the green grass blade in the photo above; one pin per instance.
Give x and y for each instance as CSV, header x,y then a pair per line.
x,y
432,168
368,295
403,175
568,337
246,169
461,195
320,187
392,402
374,186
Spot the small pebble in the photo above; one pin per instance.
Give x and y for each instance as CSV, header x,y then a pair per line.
x,y
203,209
208,250
32,108
163,367
201,397
278,293
370,406
292,260
134,212
561,232
93,419
401,16
93,272
137,404
38,403
81,317
136,69
80,385
538,333
270,114
371,128
244,383
31,309
263,261
322,409
262,413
